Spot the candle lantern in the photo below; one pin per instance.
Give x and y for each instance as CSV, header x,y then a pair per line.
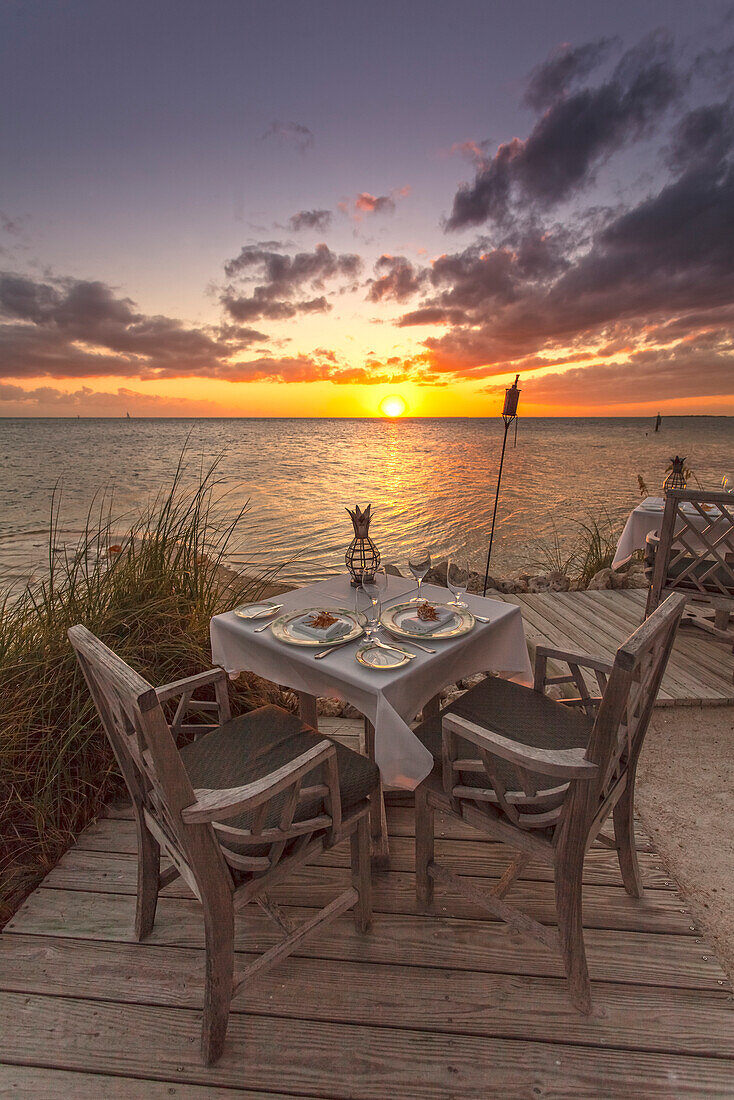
x,y
362,557
676,479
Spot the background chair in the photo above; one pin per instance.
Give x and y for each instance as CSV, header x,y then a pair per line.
x,y
695,554
543,776
235,811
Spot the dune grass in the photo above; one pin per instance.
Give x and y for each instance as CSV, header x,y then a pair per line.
x,y
592,548
151,600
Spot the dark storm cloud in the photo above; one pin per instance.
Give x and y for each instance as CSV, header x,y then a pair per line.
x,y
703,136
283,281
310,219
682,372
397,279
664,268
568,64
647,283
261,305
291,133
570,140
79,328
284,273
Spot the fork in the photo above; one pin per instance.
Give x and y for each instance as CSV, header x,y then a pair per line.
x,y
392,648
325,652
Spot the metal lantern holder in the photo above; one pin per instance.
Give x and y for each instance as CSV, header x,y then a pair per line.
x,y
676,479
362,557
509,414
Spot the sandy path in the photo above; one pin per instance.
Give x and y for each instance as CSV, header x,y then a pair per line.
x,y
685,795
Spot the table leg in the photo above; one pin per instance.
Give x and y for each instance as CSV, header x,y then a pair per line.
x,y
307,709
378,817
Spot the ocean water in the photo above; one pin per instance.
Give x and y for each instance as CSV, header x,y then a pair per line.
x,y
430,481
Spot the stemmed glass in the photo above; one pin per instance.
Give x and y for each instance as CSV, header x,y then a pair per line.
x,y
454,583
727,483
419,562
368,607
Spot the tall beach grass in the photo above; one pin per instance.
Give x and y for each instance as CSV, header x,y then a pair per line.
x,y
150,598
591,548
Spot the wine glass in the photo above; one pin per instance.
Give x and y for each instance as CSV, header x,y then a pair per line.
x,y
371,605
727,483
419,562
455,584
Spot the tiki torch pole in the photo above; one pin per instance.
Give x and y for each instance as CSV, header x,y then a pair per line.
x,y
509,413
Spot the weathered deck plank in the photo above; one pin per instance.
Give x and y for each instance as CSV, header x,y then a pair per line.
x,y
626,1017
394,892
35,1083
700,671
439,942
426,1007
336,1059
486,860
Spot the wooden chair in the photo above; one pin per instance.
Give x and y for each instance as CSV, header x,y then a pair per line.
x,y
543,776
235,811
695,554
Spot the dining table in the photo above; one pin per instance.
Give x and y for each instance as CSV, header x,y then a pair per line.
x,y
646,519
389,698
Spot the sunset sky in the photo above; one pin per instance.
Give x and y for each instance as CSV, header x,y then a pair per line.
x,y
302,208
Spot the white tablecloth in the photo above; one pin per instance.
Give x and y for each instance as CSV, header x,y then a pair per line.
x,y
647,517
390,700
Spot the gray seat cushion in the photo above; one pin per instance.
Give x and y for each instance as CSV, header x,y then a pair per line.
x,y
515,712
254,745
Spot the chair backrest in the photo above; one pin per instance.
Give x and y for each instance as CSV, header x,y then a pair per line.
x,y
201,843
534,799
623,716
695,553
148,758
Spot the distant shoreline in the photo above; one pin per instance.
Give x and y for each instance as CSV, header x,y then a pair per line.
x,y
391,420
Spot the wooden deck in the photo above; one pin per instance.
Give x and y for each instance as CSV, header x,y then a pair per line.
x,y
700,670
424,1007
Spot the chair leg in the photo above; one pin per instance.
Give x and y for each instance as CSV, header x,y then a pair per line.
x,y
219,931
568,879
362,874
149,867
424,853
624,835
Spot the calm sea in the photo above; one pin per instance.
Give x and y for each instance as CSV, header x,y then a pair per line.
x,y
429,481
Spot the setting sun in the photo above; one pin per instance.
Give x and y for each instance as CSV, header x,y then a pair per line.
x,y
393,405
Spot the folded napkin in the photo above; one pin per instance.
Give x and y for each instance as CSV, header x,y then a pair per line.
x,y
327,634
426,626
653,504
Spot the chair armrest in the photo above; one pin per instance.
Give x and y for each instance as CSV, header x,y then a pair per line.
x,y
221,803
584,659
565,763
190,683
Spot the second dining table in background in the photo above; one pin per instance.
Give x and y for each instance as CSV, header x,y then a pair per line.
x,y
647,518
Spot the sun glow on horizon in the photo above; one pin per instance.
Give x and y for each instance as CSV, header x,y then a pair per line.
x,y
393,405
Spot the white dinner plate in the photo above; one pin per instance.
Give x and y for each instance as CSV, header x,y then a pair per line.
x,y
461,622
382,660
284,628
